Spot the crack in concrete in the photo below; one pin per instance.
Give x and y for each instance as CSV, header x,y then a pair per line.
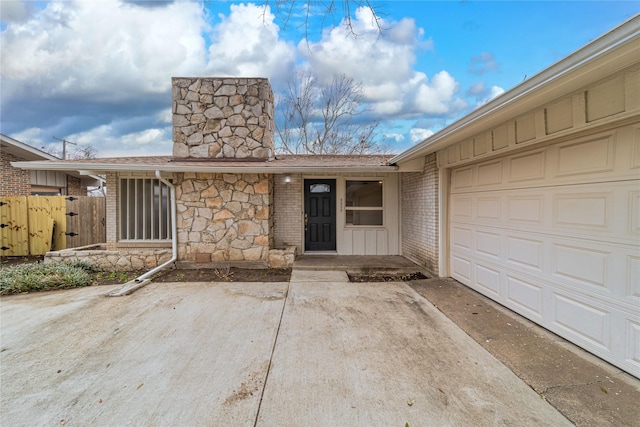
x,y
273,349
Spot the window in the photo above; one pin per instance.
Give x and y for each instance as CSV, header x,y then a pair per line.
x,y
319,188
144,210
364,203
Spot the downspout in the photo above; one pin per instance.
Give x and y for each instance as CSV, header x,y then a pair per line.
x,y
143,279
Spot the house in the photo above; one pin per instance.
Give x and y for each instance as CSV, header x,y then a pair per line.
x,y
533,199
20,182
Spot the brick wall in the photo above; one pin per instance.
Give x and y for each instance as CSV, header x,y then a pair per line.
x,y
74,187
15,182
419,200
112,210
287,215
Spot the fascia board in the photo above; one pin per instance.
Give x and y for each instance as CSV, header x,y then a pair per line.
x,y
93,168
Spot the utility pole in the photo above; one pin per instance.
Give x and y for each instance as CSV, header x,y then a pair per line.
x,y
64,146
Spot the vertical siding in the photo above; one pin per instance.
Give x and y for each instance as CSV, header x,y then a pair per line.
x,y
419,199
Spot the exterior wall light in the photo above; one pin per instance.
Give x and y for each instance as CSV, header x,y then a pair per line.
x,y
287,179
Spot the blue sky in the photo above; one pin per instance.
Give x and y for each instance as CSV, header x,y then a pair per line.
x,y
98,72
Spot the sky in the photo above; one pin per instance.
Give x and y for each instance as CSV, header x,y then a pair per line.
x,y
98,72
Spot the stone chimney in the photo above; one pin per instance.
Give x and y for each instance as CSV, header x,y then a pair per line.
x,y
222,118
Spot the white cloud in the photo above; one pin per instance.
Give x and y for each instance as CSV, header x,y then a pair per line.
x,y
419,134
393,136
109,142
107,49
436,97
247,44
383,62
482,94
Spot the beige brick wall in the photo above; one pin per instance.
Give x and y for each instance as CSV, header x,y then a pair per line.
x,y
287,215
419,200
112,210
15,182
74,187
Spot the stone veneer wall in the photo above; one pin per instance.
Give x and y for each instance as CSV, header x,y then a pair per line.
x,y
419,200
223,217
111,260
226,118
287,211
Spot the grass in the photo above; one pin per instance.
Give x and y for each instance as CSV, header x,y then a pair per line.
x,y
43,277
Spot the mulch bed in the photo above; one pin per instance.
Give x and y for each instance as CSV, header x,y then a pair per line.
x,y
360,278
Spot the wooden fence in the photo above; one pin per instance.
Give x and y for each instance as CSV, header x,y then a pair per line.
x,y
33,225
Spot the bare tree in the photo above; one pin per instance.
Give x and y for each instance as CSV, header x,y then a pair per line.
x,y
79,153
312,118
84,152
329,9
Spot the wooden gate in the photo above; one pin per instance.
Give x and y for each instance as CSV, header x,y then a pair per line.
x,y
33,225
86,222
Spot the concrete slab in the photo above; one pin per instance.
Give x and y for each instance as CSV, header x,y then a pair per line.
x,y
246,354
170,354
379,354
318,276
356,263
587,390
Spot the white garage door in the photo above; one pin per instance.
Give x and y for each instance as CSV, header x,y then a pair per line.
x,y
553,233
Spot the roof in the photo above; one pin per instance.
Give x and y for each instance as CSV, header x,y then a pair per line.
x,y
22,150
282,164
609,53
32,154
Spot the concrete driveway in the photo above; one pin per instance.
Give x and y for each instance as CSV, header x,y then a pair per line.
x,y
314,352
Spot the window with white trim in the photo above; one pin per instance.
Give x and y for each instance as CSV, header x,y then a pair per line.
x,y
364,204
145,214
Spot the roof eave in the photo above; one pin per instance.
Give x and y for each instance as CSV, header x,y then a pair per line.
x,y
95,168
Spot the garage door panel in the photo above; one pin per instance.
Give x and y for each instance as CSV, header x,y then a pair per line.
x,y
527,167
585,157
581,264
632,348
585,321
588,210
634,212
490,173
558,239
463,208
632,288
461,238
529,209
461,269
489,209
526,295
462,178
488,279
488,244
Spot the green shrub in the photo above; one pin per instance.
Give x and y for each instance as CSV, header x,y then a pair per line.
x,y
43,277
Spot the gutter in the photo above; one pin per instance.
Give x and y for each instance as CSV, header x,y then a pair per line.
x,y
97,168
143,279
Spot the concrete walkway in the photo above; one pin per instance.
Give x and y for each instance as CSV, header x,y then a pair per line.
x,y
315,352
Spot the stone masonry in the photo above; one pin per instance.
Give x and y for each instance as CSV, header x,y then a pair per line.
x,y
223,217
222,118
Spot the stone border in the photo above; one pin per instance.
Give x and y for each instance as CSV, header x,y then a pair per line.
x,y
108,260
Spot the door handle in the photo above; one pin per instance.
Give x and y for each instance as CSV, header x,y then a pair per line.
x,y
306,221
